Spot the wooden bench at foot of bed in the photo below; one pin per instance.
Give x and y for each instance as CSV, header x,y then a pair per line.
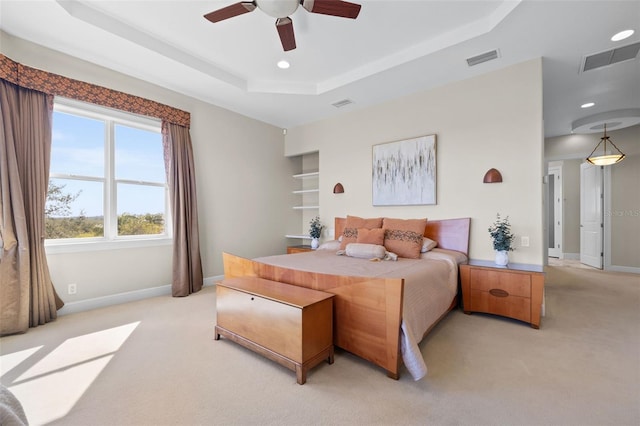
x,y
367,311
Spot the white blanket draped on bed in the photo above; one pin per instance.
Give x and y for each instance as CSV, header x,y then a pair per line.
x,y
430,284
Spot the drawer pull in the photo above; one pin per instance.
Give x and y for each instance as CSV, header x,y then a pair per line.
x,y
252,298
498,292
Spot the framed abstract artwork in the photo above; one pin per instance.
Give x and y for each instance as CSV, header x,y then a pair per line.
x,y
404,172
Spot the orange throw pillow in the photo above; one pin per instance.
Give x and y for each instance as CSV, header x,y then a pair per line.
x,y
404,236
370,236
351,226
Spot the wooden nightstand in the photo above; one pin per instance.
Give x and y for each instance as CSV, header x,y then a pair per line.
x,y
514,291
290,325
298,249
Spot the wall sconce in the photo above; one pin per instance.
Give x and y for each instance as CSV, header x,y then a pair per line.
x,y
492,176
338,189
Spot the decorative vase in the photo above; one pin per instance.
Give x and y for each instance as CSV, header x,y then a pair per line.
x,y
314,243
502,257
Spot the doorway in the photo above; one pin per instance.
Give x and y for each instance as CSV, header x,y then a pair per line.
x,y
555,219
591,215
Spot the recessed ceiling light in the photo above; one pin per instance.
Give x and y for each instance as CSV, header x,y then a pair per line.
x,y
283,64
622,35
587,105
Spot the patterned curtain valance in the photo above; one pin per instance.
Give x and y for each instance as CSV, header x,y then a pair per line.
x,y
54,84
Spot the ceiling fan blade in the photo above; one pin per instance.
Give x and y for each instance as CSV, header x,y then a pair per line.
x,y
285,31
231,11
343,9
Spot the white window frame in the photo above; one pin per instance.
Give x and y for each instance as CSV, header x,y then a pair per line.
x,y
111,239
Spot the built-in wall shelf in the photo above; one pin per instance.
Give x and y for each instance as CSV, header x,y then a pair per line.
x,y
302,237
306,191
306,175
306,194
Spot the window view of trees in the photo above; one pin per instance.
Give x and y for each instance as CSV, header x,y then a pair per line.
x,y
59,222
140,224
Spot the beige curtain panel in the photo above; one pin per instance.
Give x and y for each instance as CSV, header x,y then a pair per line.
x,y
27,295
181,176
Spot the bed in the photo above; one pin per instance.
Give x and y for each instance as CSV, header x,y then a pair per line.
x,y
382,309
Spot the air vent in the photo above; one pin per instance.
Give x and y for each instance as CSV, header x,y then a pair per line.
x,y
484,57
342,103
610,57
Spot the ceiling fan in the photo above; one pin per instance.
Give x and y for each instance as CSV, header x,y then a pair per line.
x,y
282,9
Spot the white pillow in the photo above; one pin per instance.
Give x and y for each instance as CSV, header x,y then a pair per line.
x,y
427,245
330,245
365,251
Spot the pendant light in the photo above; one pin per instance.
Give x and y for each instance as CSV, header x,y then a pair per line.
x,y
605,159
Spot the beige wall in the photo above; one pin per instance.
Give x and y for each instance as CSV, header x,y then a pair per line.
x,y
243,182
494,120
625,212
623,197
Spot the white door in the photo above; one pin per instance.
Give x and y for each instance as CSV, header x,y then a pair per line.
x,y
591,215
554,224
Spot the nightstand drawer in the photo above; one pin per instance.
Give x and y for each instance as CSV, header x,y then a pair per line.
x,y
298,249
495,303
513,283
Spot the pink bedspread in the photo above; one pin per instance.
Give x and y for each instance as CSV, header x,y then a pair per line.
x,y
430,284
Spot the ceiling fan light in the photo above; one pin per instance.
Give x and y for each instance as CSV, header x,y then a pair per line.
x,y
279,8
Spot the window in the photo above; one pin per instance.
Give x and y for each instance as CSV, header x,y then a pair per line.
x,y
107,179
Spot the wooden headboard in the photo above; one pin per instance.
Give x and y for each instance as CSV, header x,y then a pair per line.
x,y
451,234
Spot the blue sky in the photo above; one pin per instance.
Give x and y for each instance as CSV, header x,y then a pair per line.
x,y
78,148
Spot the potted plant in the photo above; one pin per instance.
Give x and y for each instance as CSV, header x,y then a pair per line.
x,y
315,230
502,238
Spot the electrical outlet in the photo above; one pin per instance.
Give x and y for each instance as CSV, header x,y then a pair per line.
x,y
524,241
71,289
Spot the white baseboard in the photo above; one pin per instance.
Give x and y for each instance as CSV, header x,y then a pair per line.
x,y
612,268
629,269
130,296
213,280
